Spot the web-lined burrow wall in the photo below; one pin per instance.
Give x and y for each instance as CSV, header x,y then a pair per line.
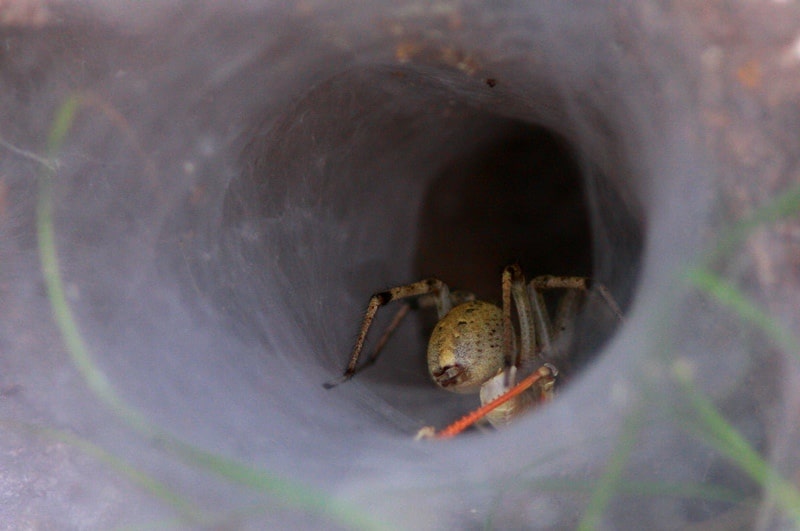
x,y
237,181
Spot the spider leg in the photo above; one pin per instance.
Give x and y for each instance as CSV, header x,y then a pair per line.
x,y
611,302
514,294
514,287
563,324
537,335
396,320
432,286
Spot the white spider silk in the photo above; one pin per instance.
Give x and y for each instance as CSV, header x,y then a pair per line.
x,y
238,181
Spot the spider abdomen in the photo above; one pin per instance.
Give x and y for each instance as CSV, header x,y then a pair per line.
x,y
466,347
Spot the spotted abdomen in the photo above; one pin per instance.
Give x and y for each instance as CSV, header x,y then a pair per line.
x,y
466,347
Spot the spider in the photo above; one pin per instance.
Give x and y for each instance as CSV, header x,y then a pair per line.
x,y
474,347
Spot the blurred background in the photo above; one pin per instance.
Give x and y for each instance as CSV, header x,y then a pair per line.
x,y
198,199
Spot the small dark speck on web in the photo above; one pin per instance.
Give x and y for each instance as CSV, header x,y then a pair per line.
x,y
9,390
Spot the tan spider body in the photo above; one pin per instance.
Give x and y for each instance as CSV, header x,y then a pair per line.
x,y
474,347
466,347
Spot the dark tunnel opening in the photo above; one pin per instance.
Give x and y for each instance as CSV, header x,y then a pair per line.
x,y
461,189
518,198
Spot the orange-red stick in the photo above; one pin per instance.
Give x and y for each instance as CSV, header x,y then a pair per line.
x,y
471,418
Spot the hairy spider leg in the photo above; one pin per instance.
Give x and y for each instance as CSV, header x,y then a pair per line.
x,y
563,325
532,331
432,286
537,331
514,288
425,301
544,332
581,284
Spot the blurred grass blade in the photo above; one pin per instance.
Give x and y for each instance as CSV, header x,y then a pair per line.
x,y
609,482
48,255
187,509
705,421
782,206
732,298
287,492
641,489
707,424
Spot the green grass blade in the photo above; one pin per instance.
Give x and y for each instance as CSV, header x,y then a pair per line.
x,y
732,298
780,207
639,489
609,482
48,256
286,492
706,423
186,508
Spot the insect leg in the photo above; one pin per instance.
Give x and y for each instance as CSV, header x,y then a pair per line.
x,y
545,376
